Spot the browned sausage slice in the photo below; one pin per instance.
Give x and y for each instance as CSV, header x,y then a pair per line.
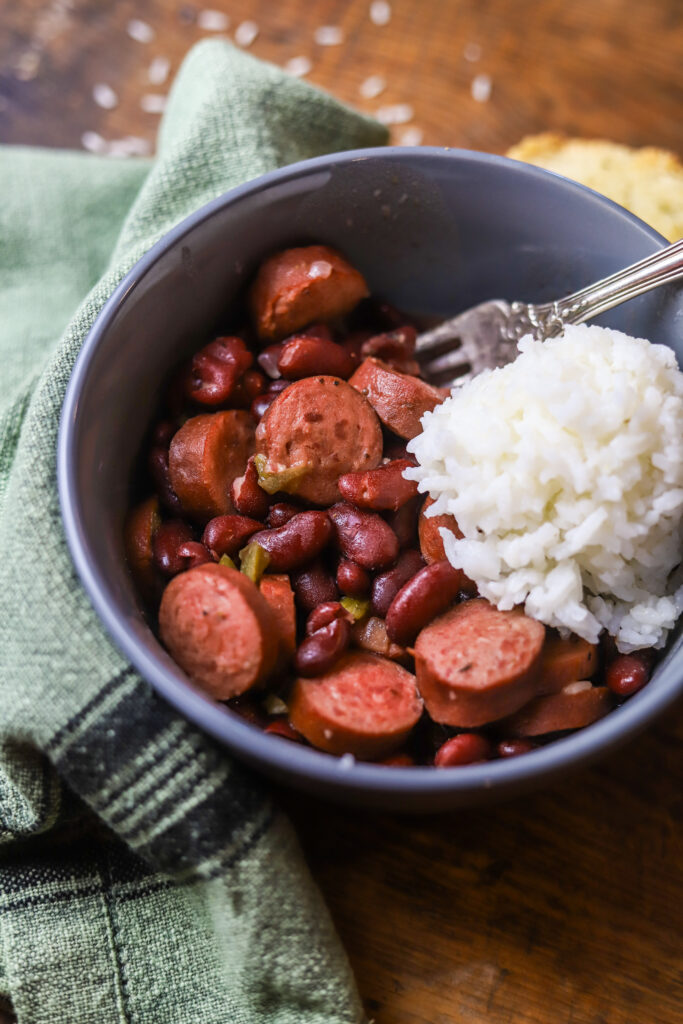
x,y
325,428
138,533
476,664
399,400
572,708
205,456
365,706
219,628
278,592
565,660
297,286
431,544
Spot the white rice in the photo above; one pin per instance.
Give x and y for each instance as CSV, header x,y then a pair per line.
x,y
564,471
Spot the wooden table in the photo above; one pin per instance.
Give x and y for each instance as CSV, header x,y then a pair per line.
x,y
562,908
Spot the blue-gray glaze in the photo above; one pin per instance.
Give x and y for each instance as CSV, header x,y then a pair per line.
x,y
434,231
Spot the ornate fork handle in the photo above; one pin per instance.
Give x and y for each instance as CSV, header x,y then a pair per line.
x,y
546,320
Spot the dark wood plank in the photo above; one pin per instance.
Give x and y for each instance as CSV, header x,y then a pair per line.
x,y
562,907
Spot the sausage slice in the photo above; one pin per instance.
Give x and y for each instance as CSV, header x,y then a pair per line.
x,y
219,628
365,706
278,592
138,535
205,456
431,544
297,286
565,660
572,708
323,427
476,664
399,400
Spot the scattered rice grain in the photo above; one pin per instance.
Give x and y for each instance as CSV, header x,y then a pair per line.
x,y
140,31
246,32
380,12
298,66
157,73
104,96
213,21
153,103
397,113
481,88
346,761
329,35
93,142
372,87
472,52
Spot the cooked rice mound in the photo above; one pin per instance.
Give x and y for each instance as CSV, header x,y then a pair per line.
x,y
564,471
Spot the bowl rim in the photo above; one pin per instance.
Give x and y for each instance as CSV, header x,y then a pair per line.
x,y
250,742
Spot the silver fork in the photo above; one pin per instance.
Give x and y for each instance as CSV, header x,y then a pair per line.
x,y
486,336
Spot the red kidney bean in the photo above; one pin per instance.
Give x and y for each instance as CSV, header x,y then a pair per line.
x,y
297,542
387,315
353,343
215,370
175,395
157,463
309,357
404,522
247,708
364,537
281,727
276,386
247,496
324,614
260,404
421,599
163,433
318,653
513,748
352,579
399,760
193,553
398,343
628,673
254,384
465,748
386,585
381,489
313,585
226,535
321,331
268,359
281,512
165,543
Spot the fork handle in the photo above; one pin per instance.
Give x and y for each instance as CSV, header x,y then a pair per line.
x,y
548,319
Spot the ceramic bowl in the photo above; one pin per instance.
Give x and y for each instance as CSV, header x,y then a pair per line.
x,y
433,231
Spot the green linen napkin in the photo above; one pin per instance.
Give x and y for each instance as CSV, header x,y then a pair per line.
x,y
144,876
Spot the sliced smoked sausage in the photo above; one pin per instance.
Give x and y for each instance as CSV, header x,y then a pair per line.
x,y
278,592
365,706
578,705
219,628
141,525
205,456
320,427
565,660
431,542
399,400
297,286
476,664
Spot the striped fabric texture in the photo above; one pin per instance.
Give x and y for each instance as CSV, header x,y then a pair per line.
x,y
145,877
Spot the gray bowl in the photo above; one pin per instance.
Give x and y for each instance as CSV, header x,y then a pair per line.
x,y
433,231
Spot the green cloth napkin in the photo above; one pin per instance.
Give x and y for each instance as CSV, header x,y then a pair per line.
x,y
144,876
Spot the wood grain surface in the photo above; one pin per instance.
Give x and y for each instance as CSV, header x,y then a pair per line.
x,y
563,907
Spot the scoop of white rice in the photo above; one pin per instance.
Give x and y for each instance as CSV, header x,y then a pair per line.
x,y
564,471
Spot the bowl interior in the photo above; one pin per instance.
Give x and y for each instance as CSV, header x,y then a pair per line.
x,y
434,232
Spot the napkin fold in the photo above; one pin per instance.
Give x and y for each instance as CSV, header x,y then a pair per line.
x,y
145,877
